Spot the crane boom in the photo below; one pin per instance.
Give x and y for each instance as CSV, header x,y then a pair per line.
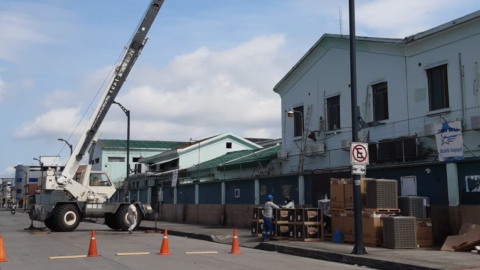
x,y
119,77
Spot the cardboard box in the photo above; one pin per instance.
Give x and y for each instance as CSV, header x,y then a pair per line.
x,y
309,232
337,193
256,228
309,215
338,221
424,233
372,225
258,213
349,224
349,192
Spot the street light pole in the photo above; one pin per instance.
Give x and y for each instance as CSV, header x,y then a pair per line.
x,y
69,145
357,199
125,183
24,197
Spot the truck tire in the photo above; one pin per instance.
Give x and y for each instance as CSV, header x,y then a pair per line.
x,y
66,218
121,218
50,224
111,222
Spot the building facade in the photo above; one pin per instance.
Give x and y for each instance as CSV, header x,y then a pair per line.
x,y
409,92
111,155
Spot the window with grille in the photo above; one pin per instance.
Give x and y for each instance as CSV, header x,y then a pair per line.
x,y
116,159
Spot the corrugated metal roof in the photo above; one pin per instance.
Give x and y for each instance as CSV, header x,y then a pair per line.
x,y
223,159
122,144
260,155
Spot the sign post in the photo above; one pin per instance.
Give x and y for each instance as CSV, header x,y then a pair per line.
x,y
358,249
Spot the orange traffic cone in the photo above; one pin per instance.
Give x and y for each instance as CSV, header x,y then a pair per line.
x,y
3,257
92,250
164,249
235,247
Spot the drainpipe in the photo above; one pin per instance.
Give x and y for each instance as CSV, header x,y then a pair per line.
x,y
462,88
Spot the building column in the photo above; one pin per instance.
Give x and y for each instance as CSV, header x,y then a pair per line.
x,y
197,193
452,184
223,193
175,195
301,190
138,195
129,195
149,196
257,191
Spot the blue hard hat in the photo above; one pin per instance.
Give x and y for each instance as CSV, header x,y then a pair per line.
x,y
269,197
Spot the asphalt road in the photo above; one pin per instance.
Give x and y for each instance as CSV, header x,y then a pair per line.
x,y
27,251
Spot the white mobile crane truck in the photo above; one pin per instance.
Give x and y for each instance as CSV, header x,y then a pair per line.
x,y
64,202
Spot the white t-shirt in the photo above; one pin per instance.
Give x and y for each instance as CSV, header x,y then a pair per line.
x,y
132,210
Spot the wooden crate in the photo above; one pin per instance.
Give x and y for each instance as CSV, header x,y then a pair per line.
x,y
256,228
309,232
257,213
309,215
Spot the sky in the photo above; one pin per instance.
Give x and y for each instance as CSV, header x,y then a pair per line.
x,y
209,67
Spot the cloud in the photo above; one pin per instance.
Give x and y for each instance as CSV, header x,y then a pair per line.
x,y
8,172
196,95
55,123
207,92
393,18
2,89
23,24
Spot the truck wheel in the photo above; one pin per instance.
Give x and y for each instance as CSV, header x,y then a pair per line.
x,y
111,223
66,218
121,218
50,224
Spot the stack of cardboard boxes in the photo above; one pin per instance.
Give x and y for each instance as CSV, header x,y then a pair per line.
x,y
304,224
341,203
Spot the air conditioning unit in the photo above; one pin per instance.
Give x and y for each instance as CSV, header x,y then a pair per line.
x,y
475,121
309,151
318,149
346,145
429,130
282,154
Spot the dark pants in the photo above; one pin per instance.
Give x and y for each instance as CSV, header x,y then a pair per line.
x,y
267,227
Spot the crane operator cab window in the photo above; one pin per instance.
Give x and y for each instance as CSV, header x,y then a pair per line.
x,y
99,179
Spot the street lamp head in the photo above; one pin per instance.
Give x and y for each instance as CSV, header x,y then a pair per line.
x,y
290,112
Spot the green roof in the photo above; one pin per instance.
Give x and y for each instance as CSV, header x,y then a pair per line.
x,y
122,144
261,155
223,159
247,158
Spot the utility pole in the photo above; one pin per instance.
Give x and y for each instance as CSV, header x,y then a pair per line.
x,y
357,197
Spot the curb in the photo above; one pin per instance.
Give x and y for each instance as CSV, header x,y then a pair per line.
x,y
314,254
340,258
204,237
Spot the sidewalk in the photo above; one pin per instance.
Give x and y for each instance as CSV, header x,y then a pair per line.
x,y
378,258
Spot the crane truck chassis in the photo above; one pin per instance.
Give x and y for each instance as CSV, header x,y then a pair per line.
x,y
63,202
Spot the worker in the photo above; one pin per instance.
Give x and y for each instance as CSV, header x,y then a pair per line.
x,y
290,204
132,216
267,217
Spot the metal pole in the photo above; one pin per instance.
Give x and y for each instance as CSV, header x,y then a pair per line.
x,y
128,155
357,197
